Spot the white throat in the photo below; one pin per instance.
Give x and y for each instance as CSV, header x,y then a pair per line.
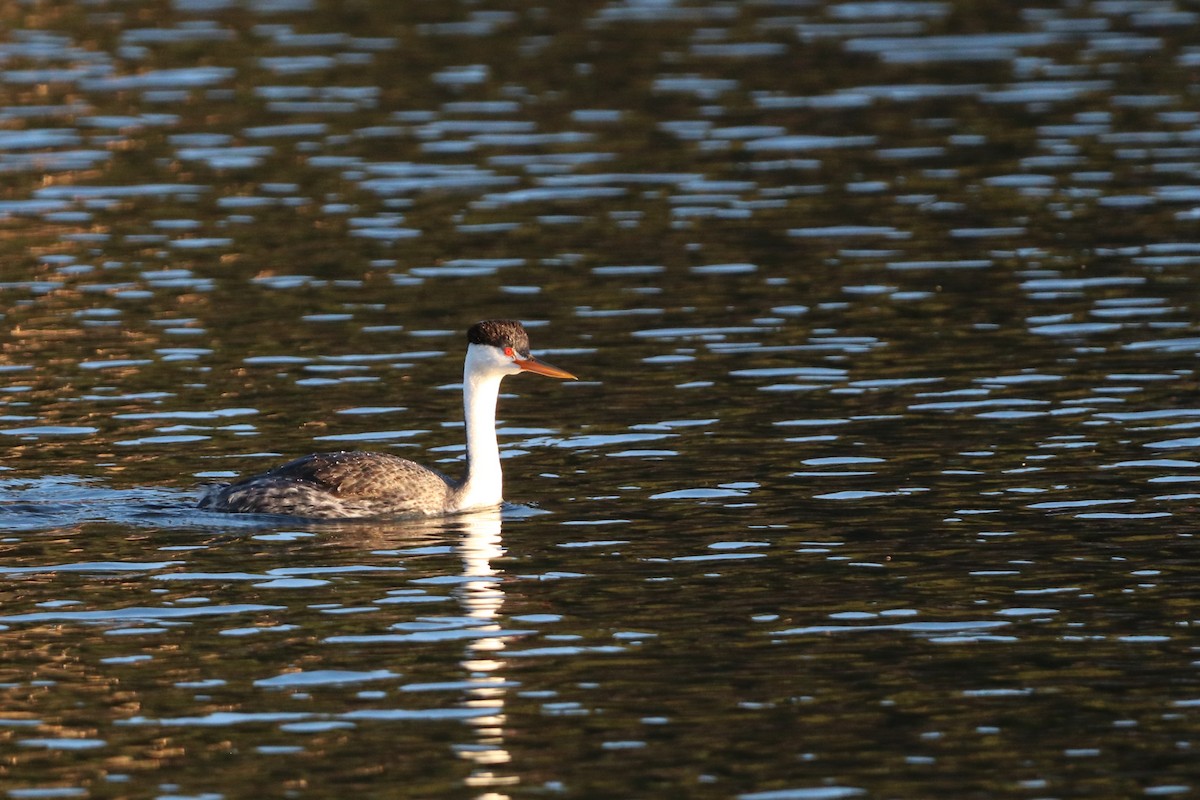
x,y
484,484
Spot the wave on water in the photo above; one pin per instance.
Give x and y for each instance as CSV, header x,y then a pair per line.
x,y
32,504
60,501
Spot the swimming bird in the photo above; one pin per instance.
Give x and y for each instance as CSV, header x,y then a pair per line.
x,y
353,484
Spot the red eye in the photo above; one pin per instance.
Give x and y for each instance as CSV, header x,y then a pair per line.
x,y
508,351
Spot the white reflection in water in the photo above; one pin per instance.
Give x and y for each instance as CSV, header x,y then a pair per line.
x,y
481,597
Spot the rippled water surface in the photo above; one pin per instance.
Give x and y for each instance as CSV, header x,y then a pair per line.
x,y
880,480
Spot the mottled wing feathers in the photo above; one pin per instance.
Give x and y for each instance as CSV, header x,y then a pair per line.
x,y
344,484
358,474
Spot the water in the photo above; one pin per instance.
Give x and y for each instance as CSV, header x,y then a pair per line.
x,y
877,483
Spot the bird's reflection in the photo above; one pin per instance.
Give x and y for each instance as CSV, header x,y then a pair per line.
x,y
481,596
478,589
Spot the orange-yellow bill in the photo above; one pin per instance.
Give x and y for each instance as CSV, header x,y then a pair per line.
x,y
534,364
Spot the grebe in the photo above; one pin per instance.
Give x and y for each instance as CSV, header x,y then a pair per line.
x,y
356,484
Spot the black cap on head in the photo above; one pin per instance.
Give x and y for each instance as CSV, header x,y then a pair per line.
x,y
500,333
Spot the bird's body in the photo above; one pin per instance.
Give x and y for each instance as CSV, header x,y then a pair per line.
x,y
356,484
338,486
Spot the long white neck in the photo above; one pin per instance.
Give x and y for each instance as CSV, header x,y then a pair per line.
x,y
484,483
